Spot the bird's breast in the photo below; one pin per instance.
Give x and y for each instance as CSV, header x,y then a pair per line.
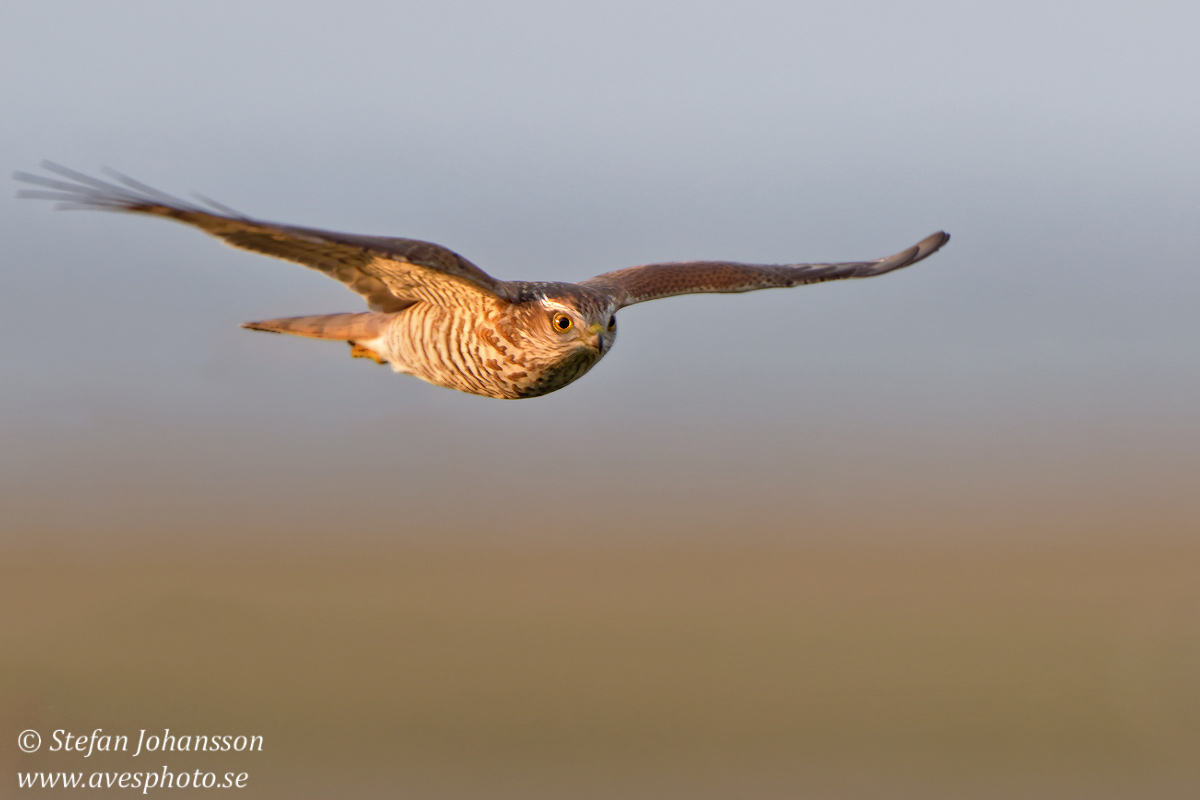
x,y
481,351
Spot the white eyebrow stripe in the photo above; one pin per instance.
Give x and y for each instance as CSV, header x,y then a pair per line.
x,y
548,303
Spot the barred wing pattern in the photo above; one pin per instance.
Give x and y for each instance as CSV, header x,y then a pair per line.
x,y
392,274
652,281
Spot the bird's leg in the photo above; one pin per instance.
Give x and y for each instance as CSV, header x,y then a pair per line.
x,y
358,351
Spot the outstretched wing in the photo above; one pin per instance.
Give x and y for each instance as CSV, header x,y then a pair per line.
x,y
392,274
652,281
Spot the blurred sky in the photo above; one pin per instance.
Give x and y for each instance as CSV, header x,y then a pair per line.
x,y
1038,377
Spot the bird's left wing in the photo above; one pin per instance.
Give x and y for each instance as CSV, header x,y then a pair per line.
x,y
392,274
652,281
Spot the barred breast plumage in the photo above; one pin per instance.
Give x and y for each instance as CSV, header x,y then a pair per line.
x,y
489,347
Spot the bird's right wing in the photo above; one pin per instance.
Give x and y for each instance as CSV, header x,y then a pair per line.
x,y
390,273
652,281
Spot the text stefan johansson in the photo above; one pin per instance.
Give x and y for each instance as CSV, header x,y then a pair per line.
x,y
100,742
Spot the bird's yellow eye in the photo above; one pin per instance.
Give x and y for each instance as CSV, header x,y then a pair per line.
x,y
612,323
562,323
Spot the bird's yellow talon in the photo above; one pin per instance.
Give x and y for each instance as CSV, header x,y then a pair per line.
x,y
358,351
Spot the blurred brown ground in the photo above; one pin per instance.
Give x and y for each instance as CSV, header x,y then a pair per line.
x,y
679,669
442,607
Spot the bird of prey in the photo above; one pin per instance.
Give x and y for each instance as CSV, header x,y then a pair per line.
x,y
437,316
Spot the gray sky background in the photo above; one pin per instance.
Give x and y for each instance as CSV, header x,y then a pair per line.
x,y
1038,376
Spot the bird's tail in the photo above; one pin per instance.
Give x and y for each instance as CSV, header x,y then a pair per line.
x,y
353,328
347,327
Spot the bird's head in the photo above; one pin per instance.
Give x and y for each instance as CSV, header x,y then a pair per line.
x,y
574,321
563,328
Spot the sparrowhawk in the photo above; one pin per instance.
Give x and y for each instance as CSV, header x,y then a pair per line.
x,y
439,317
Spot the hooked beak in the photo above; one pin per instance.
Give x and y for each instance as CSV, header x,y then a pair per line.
x,y
595,336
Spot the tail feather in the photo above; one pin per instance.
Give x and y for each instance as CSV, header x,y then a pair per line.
x,y
347,327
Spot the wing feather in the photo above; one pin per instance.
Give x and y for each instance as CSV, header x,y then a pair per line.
x,y
390,273
652,281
